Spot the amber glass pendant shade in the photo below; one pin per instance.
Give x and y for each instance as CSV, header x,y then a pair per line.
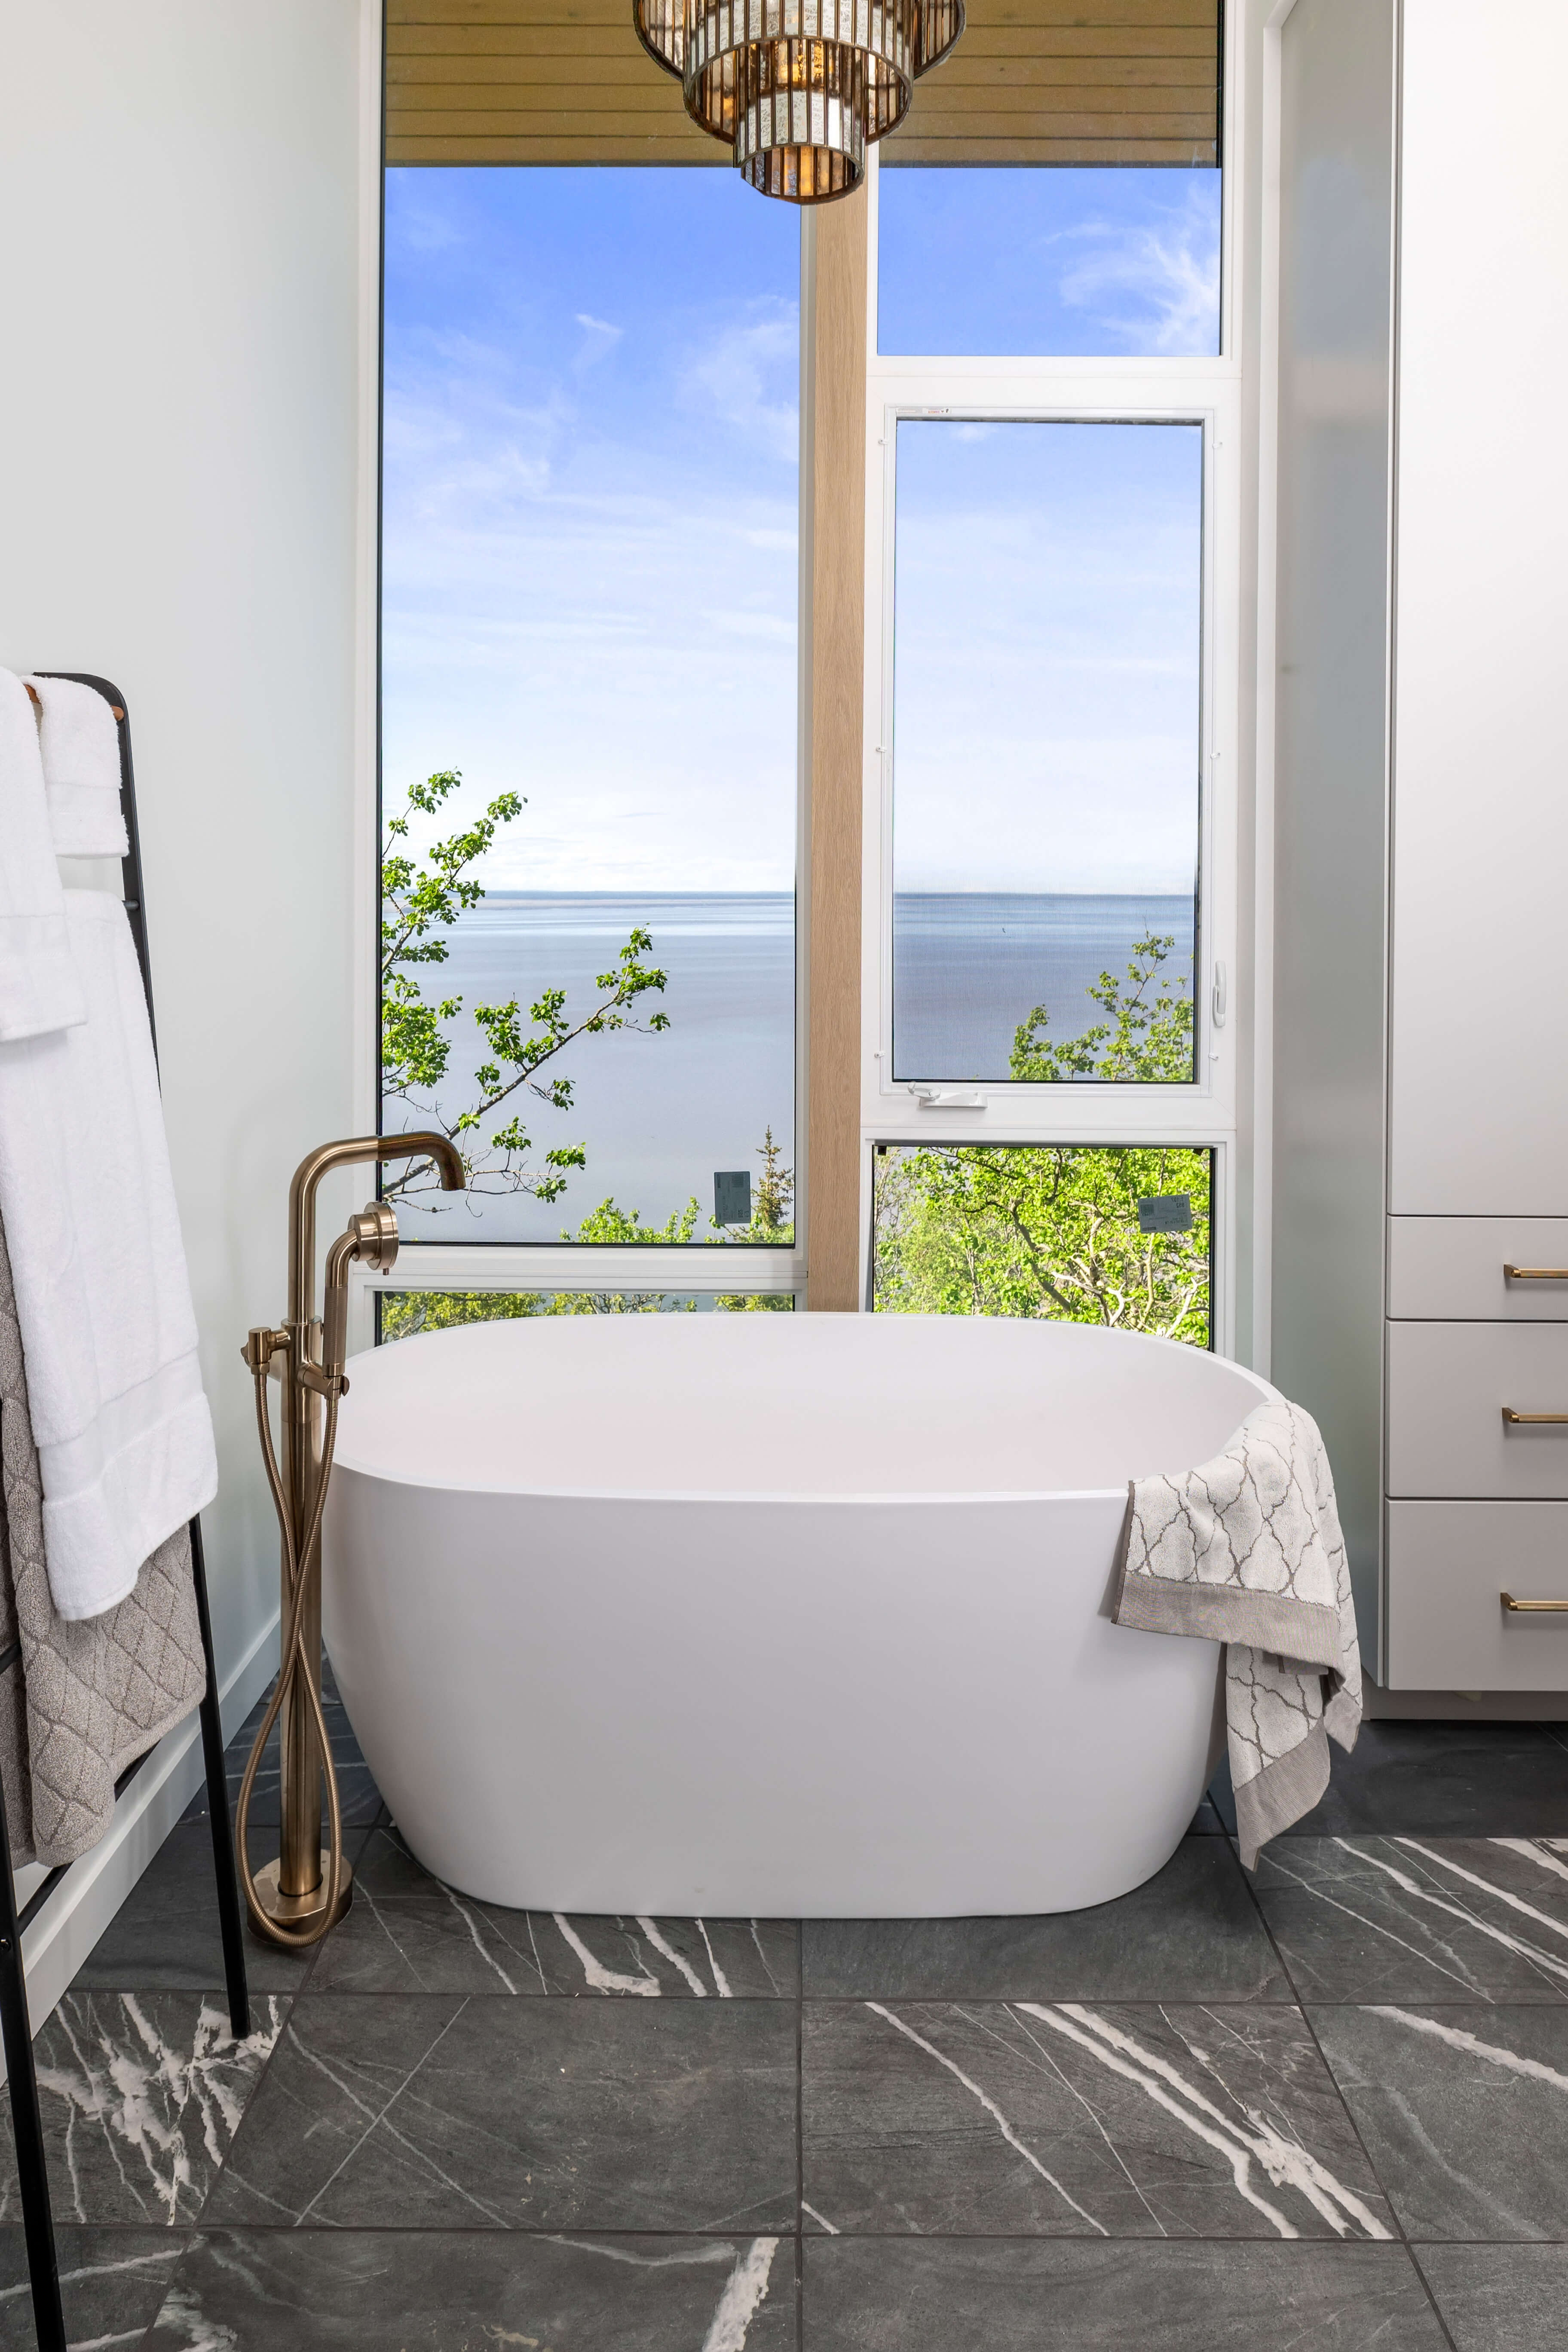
x,y
798,89
941,21
662,29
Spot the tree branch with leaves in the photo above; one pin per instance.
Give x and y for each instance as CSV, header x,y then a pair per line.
x,y
1053,1230
422,898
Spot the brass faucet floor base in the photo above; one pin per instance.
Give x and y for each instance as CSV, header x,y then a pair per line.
x,y
302,1910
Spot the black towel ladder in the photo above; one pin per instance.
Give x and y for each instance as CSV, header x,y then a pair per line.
x,y
26,2122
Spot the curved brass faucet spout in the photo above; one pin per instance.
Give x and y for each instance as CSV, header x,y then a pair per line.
x,y
425,1145
294,1900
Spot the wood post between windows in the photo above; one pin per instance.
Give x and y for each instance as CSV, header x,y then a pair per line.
x,y
837,443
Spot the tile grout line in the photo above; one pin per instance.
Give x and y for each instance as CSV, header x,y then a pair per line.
x,y
1249,1877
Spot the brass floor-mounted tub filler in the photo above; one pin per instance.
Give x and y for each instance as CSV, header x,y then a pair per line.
x,y
294,1900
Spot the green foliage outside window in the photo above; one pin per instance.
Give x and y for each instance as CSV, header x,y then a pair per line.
x,y
419,905
961,1229
1053,1230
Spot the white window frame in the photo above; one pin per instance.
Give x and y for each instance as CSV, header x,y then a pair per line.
x,y
1204,391
1203,1114
675,1269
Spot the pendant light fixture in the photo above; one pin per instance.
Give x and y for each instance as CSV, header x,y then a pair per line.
x,y
797,89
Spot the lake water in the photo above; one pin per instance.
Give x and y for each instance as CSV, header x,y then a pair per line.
x,y
659,1114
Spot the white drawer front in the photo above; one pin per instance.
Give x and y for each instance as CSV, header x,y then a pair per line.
x,y
1452,1269
1447,1385
1447,1565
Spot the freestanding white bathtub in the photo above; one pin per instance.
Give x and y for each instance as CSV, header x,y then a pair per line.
x,y
770,1615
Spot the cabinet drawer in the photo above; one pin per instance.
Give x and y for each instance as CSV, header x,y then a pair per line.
x,y
1447,1385
1449,1563
1450,1269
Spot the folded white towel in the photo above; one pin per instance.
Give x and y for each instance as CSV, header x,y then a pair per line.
x,y
1246,1551
80,745
39,987
103,1298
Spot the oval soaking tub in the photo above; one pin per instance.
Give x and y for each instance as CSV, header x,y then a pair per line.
x,y
769,1614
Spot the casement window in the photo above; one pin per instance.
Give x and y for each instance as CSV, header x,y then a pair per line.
x,y
1004,729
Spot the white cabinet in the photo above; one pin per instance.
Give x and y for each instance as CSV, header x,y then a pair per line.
x,y
1478,1269
1478,1054
1451,1389
1421,814
1450,1565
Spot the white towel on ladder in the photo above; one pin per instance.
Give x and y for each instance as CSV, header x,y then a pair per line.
x,y
103,1297
39,988
80,744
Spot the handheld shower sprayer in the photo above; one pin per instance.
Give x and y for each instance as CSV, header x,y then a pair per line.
x,y
294,1900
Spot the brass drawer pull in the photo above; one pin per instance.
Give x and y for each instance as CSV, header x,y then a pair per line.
x,y
1531,1420
1535,1273
1534,1608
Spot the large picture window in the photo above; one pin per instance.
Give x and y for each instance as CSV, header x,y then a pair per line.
x,y
999,704
590,567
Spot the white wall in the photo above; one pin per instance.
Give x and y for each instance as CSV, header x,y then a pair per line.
x,y
181,432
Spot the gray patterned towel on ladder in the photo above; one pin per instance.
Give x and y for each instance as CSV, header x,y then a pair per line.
x,y
1246,1551
97,1692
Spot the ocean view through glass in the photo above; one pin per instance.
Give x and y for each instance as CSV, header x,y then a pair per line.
x,y
590,602
1046,741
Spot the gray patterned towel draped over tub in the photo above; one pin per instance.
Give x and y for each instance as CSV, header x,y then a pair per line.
x,y
1246,1549
86,1697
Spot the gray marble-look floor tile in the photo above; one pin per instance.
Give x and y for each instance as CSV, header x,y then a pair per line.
x,y
1192,1933
1369,1920
358,1796
1042,2296
445,1942
1437,1779
463,2291
1464,2113
426,2111
113,2285
141,2095
1064,2119
165,1935
1499,2298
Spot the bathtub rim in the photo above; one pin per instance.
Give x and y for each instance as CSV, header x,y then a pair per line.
x,y
872,1499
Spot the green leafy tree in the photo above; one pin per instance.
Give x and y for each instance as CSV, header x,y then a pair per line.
x,y
771,1225
1053,1230
1146,1035
404,1313
420,902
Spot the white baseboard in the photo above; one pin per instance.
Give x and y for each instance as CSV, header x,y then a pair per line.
x,y
93,1889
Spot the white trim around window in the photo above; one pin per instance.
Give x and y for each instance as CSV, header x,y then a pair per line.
x,y
1203,391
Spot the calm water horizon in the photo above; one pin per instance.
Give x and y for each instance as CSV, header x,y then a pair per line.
x,y
659,1114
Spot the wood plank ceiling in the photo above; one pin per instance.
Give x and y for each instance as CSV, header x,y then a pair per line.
x,y
1032,81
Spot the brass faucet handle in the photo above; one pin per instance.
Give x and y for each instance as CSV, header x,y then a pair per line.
x,y
374,1232
369,1239
261,1345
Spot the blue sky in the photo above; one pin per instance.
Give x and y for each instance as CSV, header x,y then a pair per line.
x,y
1046,656
1093,263
590,512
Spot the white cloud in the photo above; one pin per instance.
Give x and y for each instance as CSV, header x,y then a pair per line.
x,y
736,379
1157,287
599,340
